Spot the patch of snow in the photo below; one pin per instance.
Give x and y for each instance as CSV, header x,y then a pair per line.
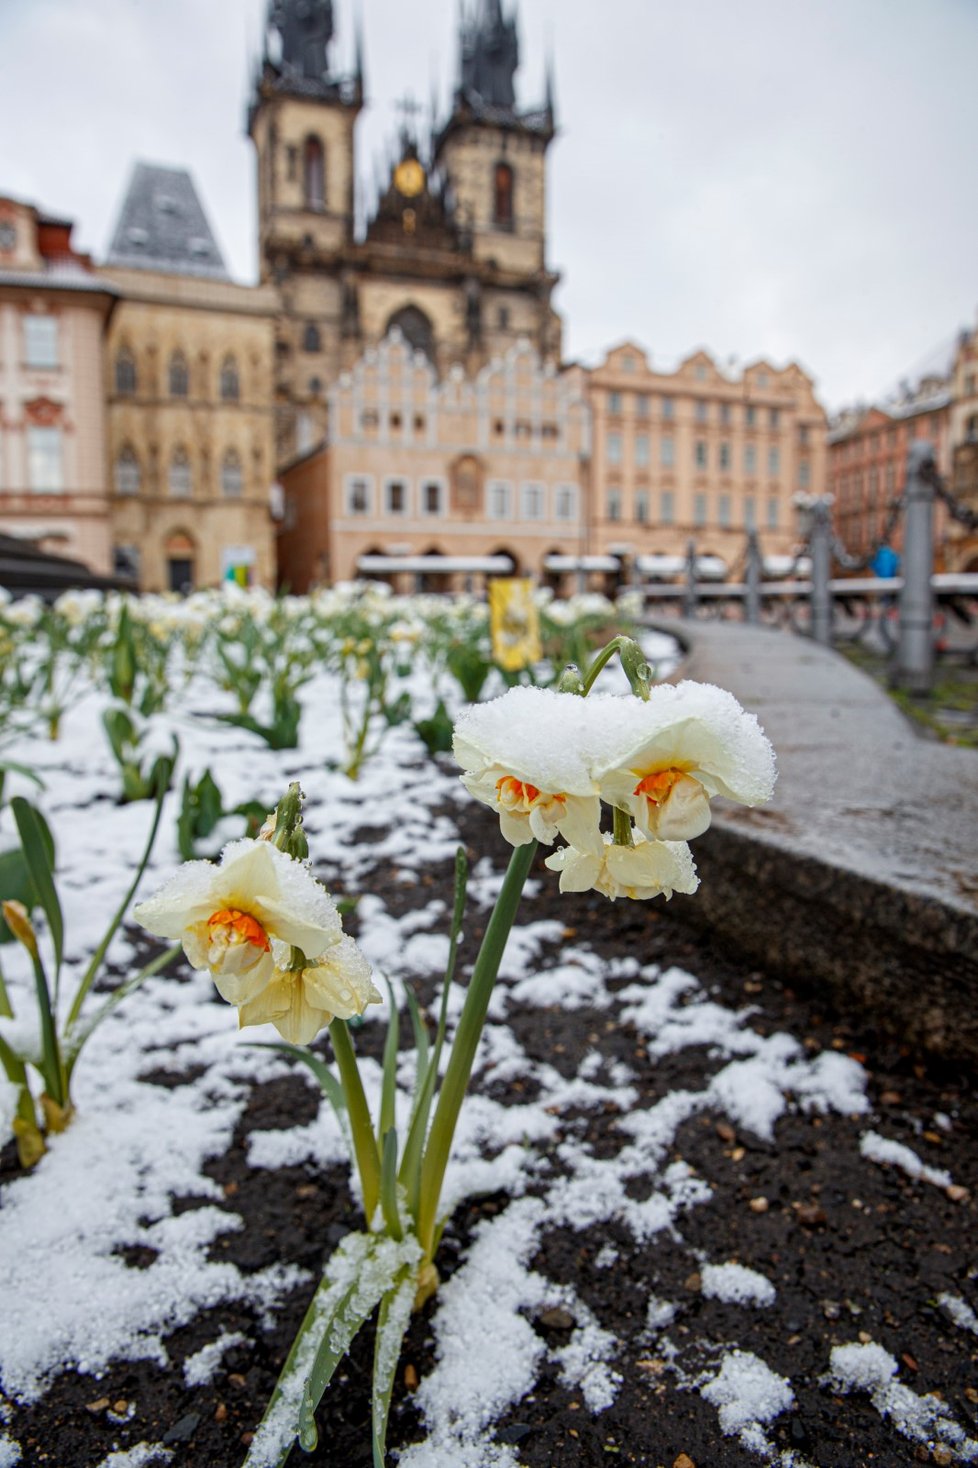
x,y
894,1154
869,1368
959,1311
746,1392
10,1452
203,1365
735,1284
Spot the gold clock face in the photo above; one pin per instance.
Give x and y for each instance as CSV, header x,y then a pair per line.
x,y
409,178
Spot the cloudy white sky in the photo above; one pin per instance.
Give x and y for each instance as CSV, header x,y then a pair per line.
x,y
780,178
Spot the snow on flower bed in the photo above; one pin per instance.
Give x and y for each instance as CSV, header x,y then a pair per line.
x,y
110,1183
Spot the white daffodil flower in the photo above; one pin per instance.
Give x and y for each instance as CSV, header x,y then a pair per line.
x,y
521,754
666,758
301,1002
235,919
647,869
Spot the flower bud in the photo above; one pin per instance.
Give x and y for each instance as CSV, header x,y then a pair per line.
x,y
637,670
570,680
17,918
288,834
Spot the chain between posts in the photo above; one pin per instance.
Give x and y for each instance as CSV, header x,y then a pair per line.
x,y
848,561
957,511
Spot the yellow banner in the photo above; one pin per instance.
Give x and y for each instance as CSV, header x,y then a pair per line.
x,y
514,622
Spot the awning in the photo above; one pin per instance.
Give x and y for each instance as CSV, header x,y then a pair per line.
x,y
711,568
419,565
787,566
581,563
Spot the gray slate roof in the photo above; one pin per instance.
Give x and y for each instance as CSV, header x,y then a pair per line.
x,y
162,226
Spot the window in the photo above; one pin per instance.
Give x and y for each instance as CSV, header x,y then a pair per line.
x,y
310,338
642,405
532,498
699,510
125,374
565,502
127,472
232,479
502,318
498,500
750,513
774,461
750,459
723,510
179,376
180,479
724,455
614,504
774,417
750,415
45,468
614,448
803,433
358,496
667,453
396,496
667,507
431,497
701,411
804,474
614,403
230,386
761,379
502,195
772,514
890,480
41,341
642,450
314,174
628,362
667,408
700,453
725,415
642,507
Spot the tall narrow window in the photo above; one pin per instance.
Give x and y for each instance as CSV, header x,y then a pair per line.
x,y
45,466
41,341
232,479
179,376
125,374
127,472
314,174
230,385
503,196
310,337
181,482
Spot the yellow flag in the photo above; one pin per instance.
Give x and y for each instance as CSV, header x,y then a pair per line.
x,y
514,622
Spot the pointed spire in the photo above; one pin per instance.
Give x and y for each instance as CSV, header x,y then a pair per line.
x,y
550,89
359,68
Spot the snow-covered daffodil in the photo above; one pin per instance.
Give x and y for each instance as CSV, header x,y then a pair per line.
x,y
300,1002
665,758
645,869
241,919
522,755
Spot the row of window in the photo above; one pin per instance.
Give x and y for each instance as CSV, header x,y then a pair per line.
x,y
180,480
178,377
725,412
503,500
701,456
643,510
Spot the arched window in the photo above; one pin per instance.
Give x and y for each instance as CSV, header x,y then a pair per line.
x,y
310,338
503,196
180,557
179,376
181,480
125,373
416,328
314,173
230,386
127,472
232,479
971,429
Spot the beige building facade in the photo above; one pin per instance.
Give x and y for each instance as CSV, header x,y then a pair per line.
x,y
53,315
189,393
436,475
699,454
961,538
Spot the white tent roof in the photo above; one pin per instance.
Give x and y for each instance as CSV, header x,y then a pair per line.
x,y
581,563
390,565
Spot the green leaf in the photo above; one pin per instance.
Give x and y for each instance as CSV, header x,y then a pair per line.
x,y
421,1043
37,845
388,1089
76,1035
388,1185
392,1323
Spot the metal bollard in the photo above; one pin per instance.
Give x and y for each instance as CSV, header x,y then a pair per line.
x,y
821,550
752,602
914,668
689,597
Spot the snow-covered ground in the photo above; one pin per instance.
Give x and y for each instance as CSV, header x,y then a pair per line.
x,y
68,1298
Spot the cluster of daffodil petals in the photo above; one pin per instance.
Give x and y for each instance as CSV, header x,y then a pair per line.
x,y
268,932
550,762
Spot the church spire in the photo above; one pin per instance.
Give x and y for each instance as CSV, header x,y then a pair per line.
x,y
489,55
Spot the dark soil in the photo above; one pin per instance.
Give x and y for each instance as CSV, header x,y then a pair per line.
x,y
850,1248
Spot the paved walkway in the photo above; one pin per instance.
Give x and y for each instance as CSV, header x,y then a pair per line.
x,y
868,855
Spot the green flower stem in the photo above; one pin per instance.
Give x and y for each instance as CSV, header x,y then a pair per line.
x,y
51,1067
622,828
603,657
466,1041
361,1127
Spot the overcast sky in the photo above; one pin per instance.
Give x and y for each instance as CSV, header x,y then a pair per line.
x,y
779,178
